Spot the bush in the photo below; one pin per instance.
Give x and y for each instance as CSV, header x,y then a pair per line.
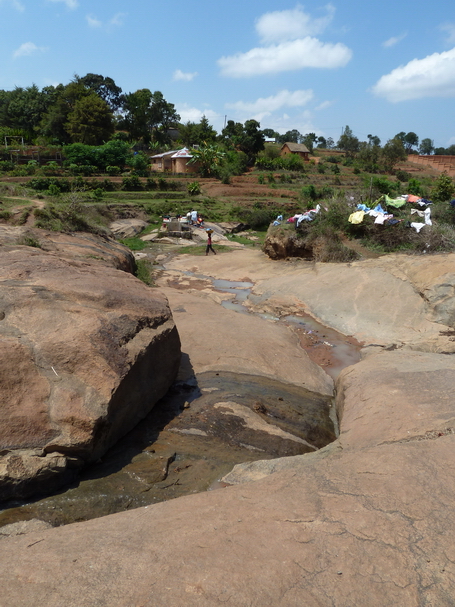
x,y
113,170
414,187
54,190
131,183
6,165
193,188
402,176
444,188
309,192
258,218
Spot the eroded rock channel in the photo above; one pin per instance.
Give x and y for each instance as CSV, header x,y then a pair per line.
x,y
194,436
212,418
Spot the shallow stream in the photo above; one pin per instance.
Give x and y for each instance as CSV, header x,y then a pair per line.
x,y
203,427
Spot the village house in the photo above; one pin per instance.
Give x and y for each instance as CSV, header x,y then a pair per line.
x,y
295,148
174,161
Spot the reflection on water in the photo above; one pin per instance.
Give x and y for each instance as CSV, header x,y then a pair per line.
x,y
190,440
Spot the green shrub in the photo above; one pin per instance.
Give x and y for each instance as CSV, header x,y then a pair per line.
x,y
257,218
402,176
113,170
309,192
54,190
443,189
98,193
131,183
414,187
194,188
6,165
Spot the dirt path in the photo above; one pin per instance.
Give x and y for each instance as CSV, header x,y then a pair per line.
x,y
36,204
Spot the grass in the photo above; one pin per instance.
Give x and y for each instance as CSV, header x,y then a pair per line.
x,y
134,243
144,271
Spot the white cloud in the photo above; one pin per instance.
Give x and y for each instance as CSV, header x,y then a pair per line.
x,y
449,28
186,76
284,57
28,48
192,114
324,105
279,26
17,5
433,76
263,107
115,21
289,44
93,21
69,3
394,40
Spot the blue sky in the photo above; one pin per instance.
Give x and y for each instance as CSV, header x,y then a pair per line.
x,y
380,67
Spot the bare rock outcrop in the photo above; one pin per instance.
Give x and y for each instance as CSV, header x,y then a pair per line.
x,y
364,521
86,350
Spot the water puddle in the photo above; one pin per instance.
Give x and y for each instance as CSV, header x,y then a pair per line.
x,y
190,440
328,348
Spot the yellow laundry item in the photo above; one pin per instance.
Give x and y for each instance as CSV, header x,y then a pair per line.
x,y
356,217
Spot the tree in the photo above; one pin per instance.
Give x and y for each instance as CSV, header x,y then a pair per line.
x,y
54,121
105,88
291,136
392,153
309,140
193,133
410,140
247,138
368,156
374,140
271,134
209,157
426,147
348,143
322,142
148,116
90,121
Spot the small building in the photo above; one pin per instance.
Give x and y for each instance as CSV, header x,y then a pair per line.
x,y
180,162
174,161
295,148
162,163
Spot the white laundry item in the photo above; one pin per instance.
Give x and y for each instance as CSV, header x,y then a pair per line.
x,y
417,226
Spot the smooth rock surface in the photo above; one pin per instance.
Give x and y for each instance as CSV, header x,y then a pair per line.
x,y
396,299
366,520
86,351
127,228
217,339
352,524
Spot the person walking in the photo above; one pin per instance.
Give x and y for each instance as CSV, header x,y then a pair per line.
x,y
209,243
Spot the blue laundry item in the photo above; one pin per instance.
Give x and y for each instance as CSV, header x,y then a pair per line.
x,y
452,202
379,209
363,207
425,201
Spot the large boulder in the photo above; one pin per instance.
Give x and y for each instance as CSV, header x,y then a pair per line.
x,y
86,350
